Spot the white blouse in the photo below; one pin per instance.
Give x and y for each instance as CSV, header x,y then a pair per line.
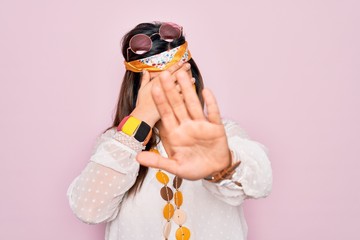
x,y
213,210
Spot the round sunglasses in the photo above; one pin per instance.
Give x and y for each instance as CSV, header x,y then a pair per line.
x,y
142,43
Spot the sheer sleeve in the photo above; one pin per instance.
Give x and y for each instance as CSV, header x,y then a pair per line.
x,y
95,195
254,172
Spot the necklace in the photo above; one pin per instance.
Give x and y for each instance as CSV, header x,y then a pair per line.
x,y
170,212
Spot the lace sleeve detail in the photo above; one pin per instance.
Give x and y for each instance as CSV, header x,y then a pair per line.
x,y
254,172
95,195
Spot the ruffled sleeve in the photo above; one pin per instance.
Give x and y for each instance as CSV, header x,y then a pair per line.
x,y
254,172
95,195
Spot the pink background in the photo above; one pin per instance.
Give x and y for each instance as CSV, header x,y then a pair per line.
x,y
287,71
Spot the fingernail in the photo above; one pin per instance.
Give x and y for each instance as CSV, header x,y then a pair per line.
x,y
180,63
188,66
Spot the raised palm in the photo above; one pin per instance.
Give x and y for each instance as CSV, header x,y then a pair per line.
x,y
196,144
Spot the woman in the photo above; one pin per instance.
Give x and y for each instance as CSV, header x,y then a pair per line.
x,y
166,169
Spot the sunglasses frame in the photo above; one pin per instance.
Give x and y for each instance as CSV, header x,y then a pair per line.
x,y
173,25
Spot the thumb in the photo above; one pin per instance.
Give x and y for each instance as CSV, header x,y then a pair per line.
x,y
155,160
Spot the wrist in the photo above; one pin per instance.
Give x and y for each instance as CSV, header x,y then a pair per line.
x,y
226,173
229,160
135,128
144,116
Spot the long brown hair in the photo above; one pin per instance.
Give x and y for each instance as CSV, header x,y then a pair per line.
x,y
131,83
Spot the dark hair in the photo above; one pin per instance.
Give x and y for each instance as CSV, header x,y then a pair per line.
x,y
131,82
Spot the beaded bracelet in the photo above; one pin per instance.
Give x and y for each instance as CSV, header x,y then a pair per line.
x,y
136,128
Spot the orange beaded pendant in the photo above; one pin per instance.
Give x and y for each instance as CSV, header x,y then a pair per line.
x,y
169,211
183,233
178,199
162,177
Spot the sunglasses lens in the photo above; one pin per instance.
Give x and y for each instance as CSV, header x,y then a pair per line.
x,y
169,31
140,44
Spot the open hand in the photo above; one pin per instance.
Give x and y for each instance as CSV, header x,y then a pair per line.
x,y
196,144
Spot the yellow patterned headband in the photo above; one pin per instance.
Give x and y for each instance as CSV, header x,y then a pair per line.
x,y
161,61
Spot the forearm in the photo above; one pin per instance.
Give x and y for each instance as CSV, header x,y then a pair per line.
x,y
95,195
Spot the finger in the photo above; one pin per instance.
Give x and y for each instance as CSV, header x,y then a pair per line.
x,y
166,114
191,99
178,88
155,160
145,78
175,67
174,97
212,107
184,67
